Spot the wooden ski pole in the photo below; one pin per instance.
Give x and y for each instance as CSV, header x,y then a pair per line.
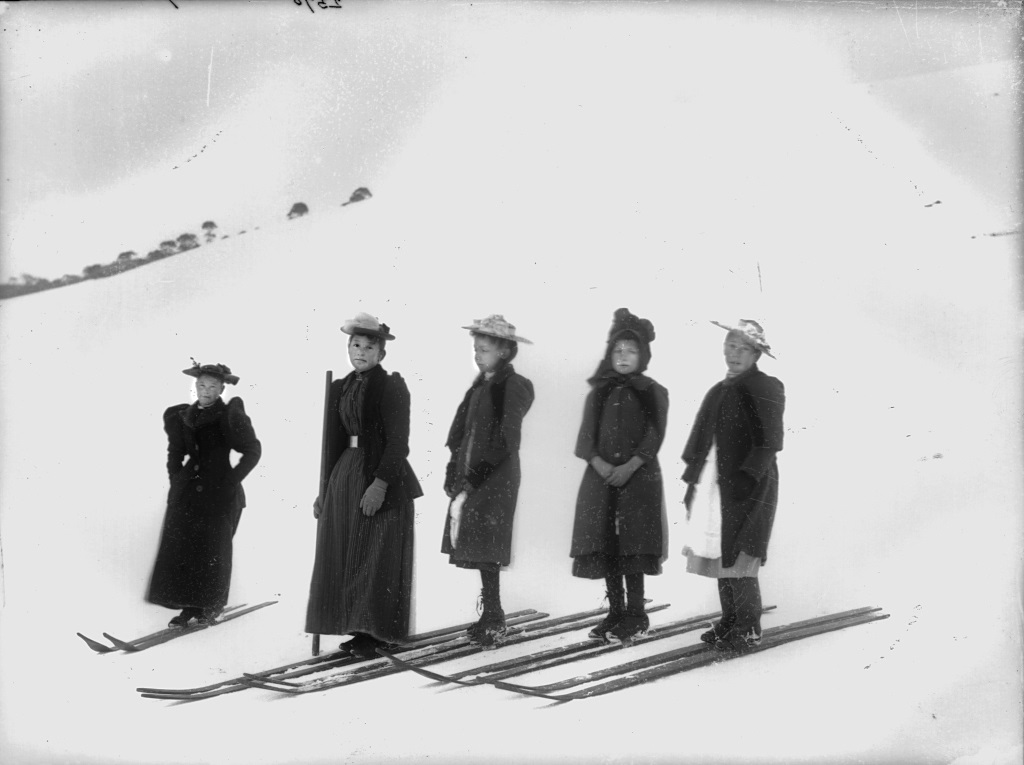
x,y
324,467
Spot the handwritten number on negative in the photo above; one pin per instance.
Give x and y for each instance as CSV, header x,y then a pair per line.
x,y
321,4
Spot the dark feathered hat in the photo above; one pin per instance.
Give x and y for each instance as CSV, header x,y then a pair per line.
x,y
221,371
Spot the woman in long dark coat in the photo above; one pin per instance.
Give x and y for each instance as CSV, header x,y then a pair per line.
x,y
482,478
618,530
205,501
732,445
362,574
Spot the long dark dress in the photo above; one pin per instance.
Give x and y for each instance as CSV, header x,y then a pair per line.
x,y
362,573
204,503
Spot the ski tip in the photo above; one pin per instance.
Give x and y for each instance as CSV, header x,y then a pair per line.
x,y
95,645
121,644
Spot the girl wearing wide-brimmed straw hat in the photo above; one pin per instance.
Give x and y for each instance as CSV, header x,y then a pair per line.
x,y
362,574
618,534
205,501
482,478
731,454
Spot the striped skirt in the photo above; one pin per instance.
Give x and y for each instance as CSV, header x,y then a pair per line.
x,y
362,574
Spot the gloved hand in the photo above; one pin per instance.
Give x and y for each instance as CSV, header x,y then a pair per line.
x,y
317,508
373,497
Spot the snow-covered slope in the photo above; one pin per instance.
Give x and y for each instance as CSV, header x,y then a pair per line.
x,y
898,339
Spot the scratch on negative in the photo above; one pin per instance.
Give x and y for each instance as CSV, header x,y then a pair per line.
x,y
209,78
900,17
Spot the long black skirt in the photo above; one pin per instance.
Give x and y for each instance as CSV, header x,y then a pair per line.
x,y
362,574
193,564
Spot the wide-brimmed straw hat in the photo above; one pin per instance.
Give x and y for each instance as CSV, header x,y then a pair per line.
x,y
364,324
752,332
496,325
221,371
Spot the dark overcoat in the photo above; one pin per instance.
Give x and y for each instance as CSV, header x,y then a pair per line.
x,y
385,440
204,503
621,419
492,472
744,416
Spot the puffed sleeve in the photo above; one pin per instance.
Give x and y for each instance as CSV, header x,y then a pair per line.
x,y
767,401
243,440
176,449
395,405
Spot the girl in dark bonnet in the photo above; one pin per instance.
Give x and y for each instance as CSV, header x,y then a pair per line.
x,y
205,501
618,533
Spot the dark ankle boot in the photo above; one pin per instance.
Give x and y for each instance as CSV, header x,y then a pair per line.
x,y
746,630
720,629
492,628
188,615
616,609
474,630
635,622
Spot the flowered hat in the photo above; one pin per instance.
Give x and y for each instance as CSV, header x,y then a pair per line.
x,y
751,331
364,324
221,371
495,325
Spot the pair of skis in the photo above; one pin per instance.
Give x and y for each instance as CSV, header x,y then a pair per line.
x,y
443,645
170,633
553,657
457,648
687,658
435,640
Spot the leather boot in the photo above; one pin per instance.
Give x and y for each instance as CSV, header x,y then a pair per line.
x,y
616,608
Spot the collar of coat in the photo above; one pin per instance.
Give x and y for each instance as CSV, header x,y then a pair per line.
x,y
196,415
500,376
637,380
742,376
374,376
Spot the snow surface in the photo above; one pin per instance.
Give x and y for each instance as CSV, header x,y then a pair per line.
x,y
898,335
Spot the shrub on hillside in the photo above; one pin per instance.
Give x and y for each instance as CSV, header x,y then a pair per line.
x,y
358,196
